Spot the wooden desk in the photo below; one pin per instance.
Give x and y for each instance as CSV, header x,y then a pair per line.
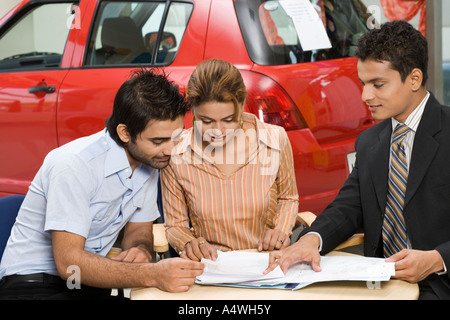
x,y
338,290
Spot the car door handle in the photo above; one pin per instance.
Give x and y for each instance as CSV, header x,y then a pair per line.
x,y
45,89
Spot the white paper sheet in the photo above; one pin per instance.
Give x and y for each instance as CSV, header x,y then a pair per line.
x,y
241,268
309,25
238,267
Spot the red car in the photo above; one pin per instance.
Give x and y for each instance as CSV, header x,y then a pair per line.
x,y
61,63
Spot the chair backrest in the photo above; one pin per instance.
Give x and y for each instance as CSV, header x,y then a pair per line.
x,y
9,208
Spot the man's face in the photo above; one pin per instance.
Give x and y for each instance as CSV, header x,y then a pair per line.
x,y
154,145
384,92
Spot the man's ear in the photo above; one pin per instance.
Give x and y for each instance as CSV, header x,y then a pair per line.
x,y
122,132
416,78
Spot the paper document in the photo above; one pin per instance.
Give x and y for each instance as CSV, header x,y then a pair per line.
x,y
308,24
241,268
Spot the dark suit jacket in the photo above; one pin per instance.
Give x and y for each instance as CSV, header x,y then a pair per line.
x,y
361,201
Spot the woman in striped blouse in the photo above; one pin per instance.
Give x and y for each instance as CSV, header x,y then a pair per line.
x,y
231,183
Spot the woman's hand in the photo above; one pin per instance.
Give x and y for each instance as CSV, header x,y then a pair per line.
x,y
197,249
273,239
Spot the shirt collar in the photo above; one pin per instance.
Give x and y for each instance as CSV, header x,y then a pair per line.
x,y
265,133
116,162
116,157
414,118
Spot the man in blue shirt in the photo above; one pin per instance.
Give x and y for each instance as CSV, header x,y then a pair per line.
x,y
90,189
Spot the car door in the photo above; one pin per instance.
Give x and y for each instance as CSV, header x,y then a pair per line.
x,y
31,71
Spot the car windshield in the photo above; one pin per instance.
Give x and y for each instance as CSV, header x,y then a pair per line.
x,y
24,45
275,38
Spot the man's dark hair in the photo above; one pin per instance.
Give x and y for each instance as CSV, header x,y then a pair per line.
x,y
399,43
146,96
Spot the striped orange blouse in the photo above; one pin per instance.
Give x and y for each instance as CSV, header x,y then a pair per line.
x,y
230,212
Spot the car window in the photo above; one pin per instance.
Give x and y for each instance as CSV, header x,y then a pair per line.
x,y
133,33
273,39
174,28
25,44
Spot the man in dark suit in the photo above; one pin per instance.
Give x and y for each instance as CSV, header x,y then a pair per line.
x,y
399,190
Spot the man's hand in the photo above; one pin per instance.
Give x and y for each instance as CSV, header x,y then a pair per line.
x,y
199,248
306,249
415,265
176,274
136,254
273,239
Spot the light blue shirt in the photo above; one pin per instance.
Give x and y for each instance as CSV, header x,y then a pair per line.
x,y
83,187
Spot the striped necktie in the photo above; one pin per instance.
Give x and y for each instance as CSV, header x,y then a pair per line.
x,y
394,228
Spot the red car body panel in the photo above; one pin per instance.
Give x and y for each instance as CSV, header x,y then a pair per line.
x,y
327,93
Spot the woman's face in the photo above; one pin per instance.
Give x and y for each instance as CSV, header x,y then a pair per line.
x,y
216,122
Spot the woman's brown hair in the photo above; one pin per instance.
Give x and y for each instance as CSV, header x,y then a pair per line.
x,y
216,80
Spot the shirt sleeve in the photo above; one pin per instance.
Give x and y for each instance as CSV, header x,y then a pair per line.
x,y
287,201
176,218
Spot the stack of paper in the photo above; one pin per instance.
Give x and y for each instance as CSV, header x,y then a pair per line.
x,y
241,268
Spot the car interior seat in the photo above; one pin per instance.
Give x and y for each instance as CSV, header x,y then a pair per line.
x,y
123,42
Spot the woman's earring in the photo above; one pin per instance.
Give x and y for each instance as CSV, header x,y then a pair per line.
x,y
241,123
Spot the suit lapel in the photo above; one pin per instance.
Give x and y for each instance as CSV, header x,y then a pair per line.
x,y
425,146
379,163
